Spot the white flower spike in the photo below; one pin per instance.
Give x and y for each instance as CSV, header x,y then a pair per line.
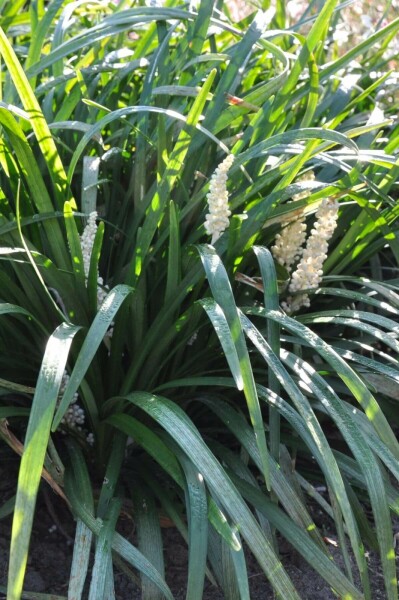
x,y
87,243
309,271
217,220
288,246
87,240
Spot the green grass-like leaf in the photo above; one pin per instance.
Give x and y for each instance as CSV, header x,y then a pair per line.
x,y
174,422
36,441
94,337
222,293
37,120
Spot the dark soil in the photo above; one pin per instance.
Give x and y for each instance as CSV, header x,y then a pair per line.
x,y
52,544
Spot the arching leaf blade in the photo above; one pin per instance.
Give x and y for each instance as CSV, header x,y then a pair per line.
x,y
36,440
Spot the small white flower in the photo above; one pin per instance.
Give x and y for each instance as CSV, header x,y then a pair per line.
x,y
341,34
193,339
376,116
367,22
90,439
295,9
217,220
102,290
349,82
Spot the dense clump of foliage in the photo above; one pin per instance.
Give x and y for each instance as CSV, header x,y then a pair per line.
x,y
219,384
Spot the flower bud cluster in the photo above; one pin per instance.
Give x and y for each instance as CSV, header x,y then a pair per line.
x,y
102,290
87,243
217,220
64,382
288,246
309,271
308,176
87,240
74,416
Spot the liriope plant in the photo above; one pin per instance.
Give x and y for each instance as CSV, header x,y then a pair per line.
x,y
133,137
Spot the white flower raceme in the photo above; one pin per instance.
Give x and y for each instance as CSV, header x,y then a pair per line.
x,y
309,271
288,246
87,240
87,243
217,220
